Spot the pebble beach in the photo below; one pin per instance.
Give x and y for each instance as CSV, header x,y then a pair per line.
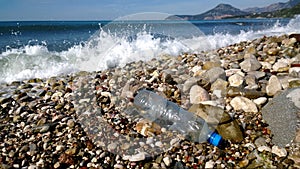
x,y
81,120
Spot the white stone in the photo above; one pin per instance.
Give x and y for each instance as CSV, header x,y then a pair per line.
x,y
209,164
198,94
57,165
264,148
266,65
281,152
250,64
137,157
273,86
259,101
295,97
243,103
196,69
112,146
236,80
174,141
118,166
59,147
167,160
32,167
158,144
281,63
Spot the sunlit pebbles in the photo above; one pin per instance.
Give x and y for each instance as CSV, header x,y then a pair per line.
x,y
86,119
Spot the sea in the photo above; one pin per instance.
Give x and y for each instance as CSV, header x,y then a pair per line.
x,y
41,49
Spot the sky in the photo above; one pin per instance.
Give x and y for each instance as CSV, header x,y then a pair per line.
x,y
19,10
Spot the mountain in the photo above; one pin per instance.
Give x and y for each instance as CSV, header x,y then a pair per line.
x,y
273,7
283,13
219,12
222,11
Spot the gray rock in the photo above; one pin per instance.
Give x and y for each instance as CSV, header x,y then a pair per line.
x,y
281,115
250,64
214,73
189,83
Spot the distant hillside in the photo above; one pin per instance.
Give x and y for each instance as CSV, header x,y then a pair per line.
x,y
284,13
273,7
219,12
222,11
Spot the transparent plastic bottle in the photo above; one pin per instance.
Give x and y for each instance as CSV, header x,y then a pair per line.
x,y
171,116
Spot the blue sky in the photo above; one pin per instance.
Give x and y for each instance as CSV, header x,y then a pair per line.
x,y
17,10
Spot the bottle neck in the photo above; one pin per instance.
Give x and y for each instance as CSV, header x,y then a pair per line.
x,y
214,139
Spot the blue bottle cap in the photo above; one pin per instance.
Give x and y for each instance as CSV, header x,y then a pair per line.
x,y
215,139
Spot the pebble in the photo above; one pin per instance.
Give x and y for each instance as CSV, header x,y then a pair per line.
x,y
220,85
70,123
198,94
214,73
118,166
112,146
236,80
260,141
56,165
264,148
167,160
189,83
209,164
32,167
260,101
243,103
273,86
137,157
280,152
250,64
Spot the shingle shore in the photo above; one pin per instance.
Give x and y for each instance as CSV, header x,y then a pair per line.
x,y
82,121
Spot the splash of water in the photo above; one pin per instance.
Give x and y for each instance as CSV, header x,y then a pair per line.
x,y
119,43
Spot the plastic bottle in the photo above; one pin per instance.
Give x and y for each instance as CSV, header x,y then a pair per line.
x,y
171,116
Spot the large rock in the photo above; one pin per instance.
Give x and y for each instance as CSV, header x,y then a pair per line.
x,y
282,113
219,120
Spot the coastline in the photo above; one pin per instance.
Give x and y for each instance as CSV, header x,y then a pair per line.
x,y
44,122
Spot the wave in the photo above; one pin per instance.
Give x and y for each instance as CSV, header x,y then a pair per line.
x,y
112,47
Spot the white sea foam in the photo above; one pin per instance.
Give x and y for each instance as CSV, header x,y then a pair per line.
x,y
108,49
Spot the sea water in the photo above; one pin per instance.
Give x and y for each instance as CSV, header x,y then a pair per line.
x,y
41,49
